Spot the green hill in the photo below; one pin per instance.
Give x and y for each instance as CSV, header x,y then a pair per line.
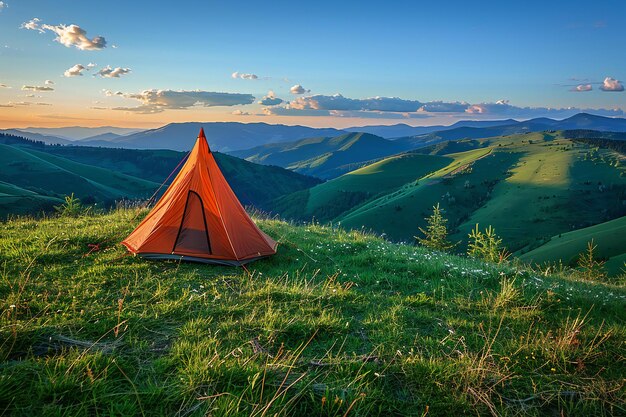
x,y
529,187
329,200
336,323
50,176
610,237
324,157
103,175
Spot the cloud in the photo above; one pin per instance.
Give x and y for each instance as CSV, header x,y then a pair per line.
x,y
582,87
32,24
75,71
243,76
7,105
156,101
110,93
36,88
49,82
3,5
442,107
26,103
298,89
397,108
109,72
240,112
611,84
339,102
90,65
270,99
4,86
68,35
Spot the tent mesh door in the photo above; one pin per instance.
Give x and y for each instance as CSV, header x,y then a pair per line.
x,y
193,235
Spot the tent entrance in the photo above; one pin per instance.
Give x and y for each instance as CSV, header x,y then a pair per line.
x,y
193,234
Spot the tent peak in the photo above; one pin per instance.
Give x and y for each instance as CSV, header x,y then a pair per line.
x,y
202,136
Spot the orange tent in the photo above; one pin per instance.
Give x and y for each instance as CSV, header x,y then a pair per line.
x,y
199,218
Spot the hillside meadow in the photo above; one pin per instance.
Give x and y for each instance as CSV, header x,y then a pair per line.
x,y
337,323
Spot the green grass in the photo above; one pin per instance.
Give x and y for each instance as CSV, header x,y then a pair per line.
x,y
337,323
399,213
529,187
330,199
608,236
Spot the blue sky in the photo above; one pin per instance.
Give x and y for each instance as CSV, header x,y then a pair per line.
x,y
489,60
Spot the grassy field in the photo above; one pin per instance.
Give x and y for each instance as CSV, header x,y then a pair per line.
x,y
530,187
329,200
610,237
336,324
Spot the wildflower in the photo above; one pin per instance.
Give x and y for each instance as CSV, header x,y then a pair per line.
x,y
12,306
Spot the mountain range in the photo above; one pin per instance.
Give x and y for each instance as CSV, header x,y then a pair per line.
x,y
234,136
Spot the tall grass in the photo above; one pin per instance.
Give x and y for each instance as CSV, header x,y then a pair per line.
x,y
336,324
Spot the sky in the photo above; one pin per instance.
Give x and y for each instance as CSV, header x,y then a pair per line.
x,y
318,63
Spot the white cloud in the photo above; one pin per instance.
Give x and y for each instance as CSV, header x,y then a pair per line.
x,y
244,76
4,86
270,99
442,107
611,84
32,24
110,93
75,71
298,89
49,82
3,5
109,72
397,108
582,87
156,101
339,102
239,112
91,65
36,88
68,35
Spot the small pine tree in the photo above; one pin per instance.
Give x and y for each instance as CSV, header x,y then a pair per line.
x,y
436,233
486,245
72,207
591,269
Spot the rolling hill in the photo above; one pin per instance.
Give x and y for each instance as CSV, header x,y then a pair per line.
x,y
529,187
328,200
51,178
610,238
35,176
323,157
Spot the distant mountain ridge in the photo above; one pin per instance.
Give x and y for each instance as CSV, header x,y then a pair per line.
x,y
400,130
579,121
324,157
79,132
234,136
222,136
